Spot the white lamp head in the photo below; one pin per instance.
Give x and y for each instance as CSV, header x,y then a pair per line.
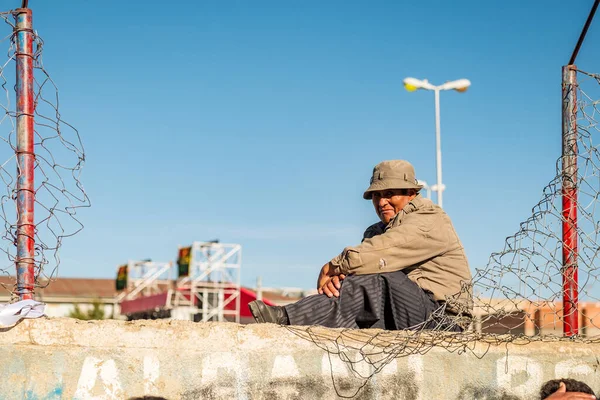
x,y
460,85
412,84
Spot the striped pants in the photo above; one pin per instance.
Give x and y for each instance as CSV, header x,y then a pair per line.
x,y
386,301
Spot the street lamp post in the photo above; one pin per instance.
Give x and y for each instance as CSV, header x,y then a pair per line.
x,y
460,85
426,187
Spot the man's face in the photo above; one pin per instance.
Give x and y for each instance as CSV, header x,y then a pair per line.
x,y
389,202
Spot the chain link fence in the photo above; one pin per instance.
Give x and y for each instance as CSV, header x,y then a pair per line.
x,y
58,157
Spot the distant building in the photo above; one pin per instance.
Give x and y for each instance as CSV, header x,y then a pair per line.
x,y
62,294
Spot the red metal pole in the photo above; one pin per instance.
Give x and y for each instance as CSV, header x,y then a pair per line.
x,y
25,156
569,201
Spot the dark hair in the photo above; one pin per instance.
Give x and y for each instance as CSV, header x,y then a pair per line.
x,y
147,398
572,385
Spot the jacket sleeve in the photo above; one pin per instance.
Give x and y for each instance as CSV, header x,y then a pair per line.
x,y
418,238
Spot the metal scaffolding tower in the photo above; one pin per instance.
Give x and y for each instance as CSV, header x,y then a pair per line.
x,y
211,290
146,278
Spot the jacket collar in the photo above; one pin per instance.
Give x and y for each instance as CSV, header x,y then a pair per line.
x,y
415,204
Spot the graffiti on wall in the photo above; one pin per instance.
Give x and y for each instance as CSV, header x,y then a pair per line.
x,y
288,376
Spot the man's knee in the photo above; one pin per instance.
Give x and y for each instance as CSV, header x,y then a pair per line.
x,y
369,283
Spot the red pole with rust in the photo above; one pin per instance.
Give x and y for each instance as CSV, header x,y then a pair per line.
x,y
25,155
569,201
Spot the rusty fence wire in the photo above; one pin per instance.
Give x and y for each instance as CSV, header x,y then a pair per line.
x,y
518,295
59,157
520,292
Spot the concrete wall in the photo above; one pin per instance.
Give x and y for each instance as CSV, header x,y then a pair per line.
x,y
64,358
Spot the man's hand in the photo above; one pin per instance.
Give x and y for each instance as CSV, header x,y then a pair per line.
x,y
562,394
328,282
332,286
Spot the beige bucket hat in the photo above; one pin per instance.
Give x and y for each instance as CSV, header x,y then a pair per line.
x,y
393,174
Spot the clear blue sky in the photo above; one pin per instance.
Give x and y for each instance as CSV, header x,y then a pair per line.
x,y
259,122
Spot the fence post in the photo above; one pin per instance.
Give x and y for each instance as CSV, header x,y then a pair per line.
x,y
25,260
569,201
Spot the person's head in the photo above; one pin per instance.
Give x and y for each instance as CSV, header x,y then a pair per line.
x,y
147,398
393,185
571,385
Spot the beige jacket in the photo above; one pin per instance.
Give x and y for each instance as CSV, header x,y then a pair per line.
x,y
420,240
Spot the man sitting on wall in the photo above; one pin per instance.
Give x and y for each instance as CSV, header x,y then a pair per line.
x,y
409,272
